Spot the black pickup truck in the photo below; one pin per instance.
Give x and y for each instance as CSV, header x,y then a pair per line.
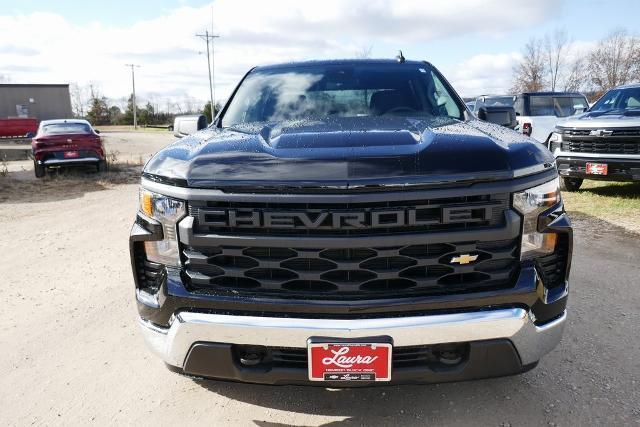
x,y
350,223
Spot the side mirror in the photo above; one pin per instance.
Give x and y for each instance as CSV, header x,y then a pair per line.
x,y
483,114
97,131
499,115
186,125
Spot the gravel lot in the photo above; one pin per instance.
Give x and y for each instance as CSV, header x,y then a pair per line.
x,y
73,353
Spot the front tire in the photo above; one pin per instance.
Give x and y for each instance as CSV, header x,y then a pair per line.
x,y
39,169
570,184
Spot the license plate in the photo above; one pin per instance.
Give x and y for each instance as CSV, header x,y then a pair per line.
x,y
597,168
71,154
349,361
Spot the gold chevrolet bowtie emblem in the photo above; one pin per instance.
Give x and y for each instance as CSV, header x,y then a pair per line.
x,y
463,259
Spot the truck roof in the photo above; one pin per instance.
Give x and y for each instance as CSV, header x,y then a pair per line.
x,y
339,62
628,86
554,93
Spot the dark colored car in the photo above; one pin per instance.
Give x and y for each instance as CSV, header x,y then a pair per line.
x,y
350,223
67,142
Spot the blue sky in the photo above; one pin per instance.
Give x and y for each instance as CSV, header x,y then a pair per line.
x,y
475,43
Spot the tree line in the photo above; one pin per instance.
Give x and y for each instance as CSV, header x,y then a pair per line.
x,y
88,103
554,62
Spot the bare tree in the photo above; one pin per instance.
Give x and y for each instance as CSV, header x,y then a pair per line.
x,y
79,99
364,52
576,78
556,47
614,61
529,74
189,104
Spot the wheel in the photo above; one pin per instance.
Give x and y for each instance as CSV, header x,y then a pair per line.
x,y
101,166
570,184
39,169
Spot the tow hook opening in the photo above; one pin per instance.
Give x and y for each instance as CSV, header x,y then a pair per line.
x,y
250,355
450,354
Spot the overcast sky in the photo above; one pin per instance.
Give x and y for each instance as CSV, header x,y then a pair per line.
x,y
473,42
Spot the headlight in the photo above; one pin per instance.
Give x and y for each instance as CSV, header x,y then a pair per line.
x,y
531,203
554,140
555,137
168,212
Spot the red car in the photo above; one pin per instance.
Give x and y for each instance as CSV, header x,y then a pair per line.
x,y
67,142
18,127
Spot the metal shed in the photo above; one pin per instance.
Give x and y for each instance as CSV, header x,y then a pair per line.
x,y
41,101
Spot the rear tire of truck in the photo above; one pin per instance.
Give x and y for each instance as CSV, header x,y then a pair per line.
x,y
39,169
102,166
570,184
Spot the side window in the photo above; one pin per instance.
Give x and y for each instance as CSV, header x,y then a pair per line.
x,y
541,106
633,102
443,98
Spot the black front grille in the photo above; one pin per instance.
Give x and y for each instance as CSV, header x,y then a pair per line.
x,y
611,141
482,211
603,146
425,269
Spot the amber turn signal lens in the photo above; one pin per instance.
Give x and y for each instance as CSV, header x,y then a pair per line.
x,y
146,203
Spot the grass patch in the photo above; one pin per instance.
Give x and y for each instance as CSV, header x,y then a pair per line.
x,y
614,202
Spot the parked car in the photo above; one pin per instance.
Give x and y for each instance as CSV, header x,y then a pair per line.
x,y
347,223
188,124
66,142
603,143
18,127
539,112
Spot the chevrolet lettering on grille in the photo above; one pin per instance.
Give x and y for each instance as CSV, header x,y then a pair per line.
x,y
351,219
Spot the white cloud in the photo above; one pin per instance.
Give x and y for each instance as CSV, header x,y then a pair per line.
x,y
45,47
484,74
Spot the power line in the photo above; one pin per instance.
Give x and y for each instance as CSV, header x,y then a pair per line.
x,y
135,107
208,38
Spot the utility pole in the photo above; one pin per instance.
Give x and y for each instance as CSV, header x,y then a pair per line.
x,y
135,107
213,76
208,38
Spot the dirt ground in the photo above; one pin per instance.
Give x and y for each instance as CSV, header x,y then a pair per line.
x,y
72,353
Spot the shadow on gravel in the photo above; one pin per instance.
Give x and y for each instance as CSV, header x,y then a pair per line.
x,y
453,403
63,184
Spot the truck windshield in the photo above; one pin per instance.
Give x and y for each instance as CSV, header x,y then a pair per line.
x,y
66,128
316,92
559,106
619,99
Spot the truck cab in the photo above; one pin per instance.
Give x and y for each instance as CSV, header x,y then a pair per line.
x,y
538,113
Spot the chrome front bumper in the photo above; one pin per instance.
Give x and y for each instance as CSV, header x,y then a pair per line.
x,y
532,342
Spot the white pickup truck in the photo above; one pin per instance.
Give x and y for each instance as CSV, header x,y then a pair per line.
x,y
538,113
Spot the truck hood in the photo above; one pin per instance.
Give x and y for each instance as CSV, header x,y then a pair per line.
x,y
603,120
348,152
